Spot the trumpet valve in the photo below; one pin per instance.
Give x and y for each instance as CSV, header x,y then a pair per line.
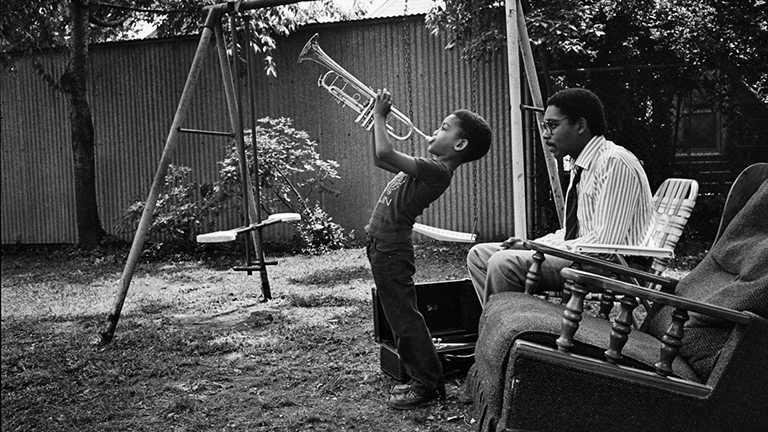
x,y
365,119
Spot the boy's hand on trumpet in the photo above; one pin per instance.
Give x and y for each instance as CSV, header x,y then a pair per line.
x,y
383,105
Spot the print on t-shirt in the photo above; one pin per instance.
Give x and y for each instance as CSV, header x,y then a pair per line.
x,y
392,187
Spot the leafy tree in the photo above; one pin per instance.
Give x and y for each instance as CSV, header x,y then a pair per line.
x,y
32,25
663,57
723,38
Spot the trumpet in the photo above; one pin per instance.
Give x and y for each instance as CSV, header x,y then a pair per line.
x,y
351,92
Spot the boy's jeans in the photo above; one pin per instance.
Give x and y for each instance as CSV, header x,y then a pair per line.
x,y
392,265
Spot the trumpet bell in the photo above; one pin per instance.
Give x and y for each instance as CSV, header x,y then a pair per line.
x,y
311,50
353,93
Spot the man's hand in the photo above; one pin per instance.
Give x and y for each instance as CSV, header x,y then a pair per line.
x,y
512,243
383,104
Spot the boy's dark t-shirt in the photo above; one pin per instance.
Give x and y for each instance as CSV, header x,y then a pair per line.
x,y
405,198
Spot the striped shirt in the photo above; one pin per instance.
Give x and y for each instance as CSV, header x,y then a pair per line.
x,y
615,201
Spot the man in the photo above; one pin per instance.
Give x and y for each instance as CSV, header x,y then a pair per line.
x,y
614,203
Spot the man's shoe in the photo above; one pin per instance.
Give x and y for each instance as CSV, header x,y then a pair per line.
x,y
410,400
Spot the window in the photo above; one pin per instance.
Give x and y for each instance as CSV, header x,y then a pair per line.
x,y
700,129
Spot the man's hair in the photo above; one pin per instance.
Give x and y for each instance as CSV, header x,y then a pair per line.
x,y
577,103
477,132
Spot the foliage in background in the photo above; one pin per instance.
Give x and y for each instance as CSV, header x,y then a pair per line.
x,y
649,61
265,24
178,213
721,37
652,63
29,26
292,178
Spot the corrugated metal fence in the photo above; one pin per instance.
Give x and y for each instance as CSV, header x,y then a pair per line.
x,y
135,88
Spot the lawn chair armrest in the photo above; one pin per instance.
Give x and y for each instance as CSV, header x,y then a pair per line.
x,y
654,252
601,264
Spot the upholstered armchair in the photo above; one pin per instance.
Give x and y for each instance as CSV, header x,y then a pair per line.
x,y
698,362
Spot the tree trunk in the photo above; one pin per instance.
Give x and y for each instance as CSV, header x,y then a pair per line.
x,y
74,81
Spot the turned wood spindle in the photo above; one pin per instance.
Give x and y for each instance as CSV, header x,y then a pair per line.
x,y
534,273
571,316
566,295
620,330
671,342
606,304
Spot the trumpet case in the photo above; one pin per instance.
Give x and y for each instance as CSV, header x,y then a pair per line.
x,y
451,310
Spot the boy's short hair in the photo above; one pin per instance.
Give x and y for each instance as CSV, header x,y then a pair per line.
x,y
577,103
475,130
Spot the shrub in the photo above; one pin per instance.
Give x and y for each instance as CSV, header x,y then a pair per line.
x,y
177,213
291,177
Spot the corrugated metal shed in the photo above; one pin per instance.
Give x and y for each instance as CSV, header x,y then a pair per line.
x,y
37,195
135,88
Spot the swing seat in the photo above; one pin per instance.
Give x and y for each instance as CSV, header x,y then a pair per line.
x,y
230,235
444,234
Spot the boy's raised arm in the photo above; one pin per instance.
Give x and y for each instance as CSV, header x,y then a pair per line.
x,y
378,162
384,151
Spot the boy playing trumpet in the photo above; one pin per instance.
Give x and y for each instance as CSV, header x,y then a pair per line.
x,y
462,137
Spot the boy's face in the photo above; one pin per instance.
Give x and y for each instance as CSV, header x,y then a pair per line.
x,y
447,138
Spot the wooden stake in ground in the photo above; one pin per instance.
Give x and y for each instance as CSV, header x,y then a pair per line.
x,y
520,35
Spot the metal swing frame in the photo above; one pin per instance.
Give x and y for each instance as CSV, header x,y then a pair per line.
x,y
211,29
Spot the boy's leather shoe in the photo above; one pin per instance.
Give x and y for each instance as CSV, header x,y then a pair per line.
x,y
405,388
411,400
400,389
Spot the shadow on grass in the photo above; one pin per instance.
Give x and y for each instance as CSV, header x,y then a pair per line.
x,y
322,300
327,277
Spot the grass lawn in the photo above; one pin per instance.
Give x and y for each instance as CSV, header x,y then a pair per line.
x,y
195,350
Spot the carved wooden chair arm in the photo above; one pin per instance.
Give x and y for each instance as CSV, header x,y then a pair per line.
x,y
581,283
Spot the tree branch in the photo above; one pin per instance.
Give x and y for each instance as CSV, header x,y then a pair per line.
x,y
103,23
135,9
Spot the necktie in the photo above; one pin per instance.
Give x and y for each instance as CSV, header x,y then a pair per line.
x,y
571,204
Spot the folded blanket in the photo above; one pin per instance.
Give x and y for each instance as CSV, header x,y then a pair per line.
x,y
734,274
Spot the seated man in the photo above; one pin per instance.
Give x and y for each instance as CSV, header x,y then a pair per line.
x,y
614,203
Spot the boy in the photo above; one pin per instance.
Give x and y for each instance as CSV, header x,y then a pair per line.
x,y
463,137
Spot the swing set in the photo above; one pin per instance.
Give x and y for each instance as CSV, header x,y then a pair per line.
x,y
254,224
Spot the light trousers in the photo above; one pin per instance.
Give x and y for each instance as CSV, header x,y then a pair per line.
x,y
494,270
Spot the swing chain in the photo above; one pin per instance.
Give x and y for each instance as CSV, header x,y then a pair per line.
x,y
408,69
473,104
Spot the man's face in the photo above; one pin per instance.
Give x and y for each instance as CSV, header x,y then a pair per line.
x,y
563,135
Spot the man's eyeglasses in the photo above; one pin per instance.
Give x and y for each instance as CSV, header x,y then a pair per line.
x,y
549,126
